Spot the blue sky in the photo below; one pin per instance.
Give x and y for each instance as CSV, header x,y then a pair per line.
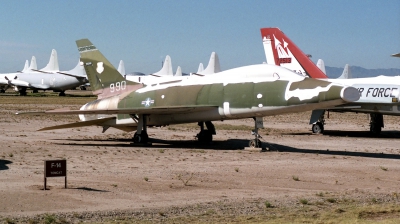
x,y
362,33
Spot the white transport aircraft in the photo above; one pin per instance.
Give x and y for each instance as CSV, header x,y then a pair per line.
x,y
47,78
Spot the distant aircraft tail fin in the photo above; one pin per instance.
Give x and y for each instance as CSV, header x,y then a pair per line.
x,y
33,65
321,65
121,68
166,69
104,79
346,73
201,68
178,71
213,65
52,66
281,51
26,66
78,71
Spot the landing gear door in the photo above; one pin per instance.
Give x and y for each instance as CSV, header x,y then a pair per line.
x,y
259,122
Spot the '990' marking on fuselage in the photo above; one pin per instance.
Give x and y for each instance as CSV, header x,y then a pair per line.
x,y
118,86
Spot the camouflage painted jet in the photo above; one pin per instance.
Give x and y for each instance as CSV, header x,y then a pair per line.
x,y
231,94
379,95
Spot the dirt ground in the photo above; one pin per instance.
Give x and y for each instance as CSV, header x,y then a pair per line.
x,y
109,177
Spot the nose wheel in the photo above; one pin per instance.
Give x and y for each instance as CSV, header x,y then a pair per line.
x,y
318,128
256,142
140,135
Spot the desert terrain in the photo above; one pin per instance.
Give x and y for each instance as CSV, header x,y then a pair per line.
x,y
344,175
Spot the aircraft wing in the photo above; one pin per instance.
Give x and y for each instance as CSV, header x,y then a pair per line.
x,y
79,124
42,71
72,75
150,110
15,82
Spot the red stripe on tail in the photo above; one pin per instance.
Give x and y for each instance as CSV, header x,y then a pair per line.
x,y
309,67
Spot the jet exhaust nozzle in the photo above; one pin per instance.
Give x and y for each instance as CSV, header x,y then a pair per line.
x,y
350,94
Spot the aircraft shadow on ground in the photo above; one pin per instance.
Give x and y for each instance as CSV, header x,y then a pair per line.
x,y
3,164
230,144
88,189
284,148
356,134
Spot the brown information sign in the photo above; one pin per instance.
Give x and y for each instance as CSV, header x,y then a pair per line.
x,y
55,168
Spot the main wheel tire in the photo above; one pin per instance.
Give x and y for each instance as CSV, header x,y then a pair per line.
x,y
144,136
255,144
140,138
318,128
375,129
205,136
137,138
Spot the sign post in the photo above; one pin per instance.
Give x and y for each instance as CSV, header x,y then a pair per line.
x,y
55,168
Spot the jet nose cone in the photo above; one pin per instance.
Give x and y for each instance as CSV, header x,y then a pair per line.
x,y
350,94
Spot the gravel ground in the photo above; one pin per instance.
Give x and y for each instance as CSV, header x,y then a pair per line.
x,y
111,179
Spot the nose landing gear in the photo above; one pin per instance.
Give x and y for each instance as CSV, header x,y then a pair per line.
x,y
256,142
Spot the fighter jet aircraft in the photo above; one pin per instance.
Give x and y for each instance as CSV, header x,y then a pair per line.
x,y
47,78
231,94
379,95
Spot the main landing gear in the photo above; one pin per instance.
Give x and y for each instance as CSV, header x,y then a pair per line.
x,y
22,91
206,135
318,121
140,135
318,128
376,123
256,142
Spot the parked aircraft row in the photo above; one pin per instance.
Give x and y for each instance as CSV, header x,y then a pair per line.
x,y
279,86
51,78
251,91
47,78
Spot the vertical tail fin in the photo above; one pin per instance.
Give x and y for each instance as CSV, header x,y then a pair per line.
x,y
52,66
346,73
321,65
77,71
201,68
104,79
121,68
213,65
33,65
26,67
280,50
178,71
166,69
